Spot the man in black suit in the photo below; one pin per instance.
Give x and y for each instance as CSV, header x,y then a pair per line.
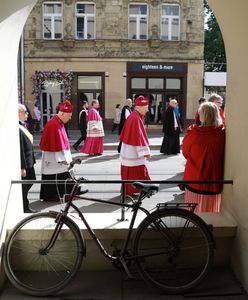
x,y
125,112
27,156
82,125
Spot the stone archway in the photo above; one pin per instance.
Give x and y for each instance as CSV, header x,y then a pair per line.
x,y
13,16
232,18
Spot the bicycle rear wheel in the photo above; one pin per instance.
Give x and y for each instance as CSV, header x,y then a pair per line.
x,y
174,250
37,272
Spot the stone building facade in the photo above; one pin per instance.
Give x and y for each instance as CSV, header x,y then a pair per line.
x,y
113,50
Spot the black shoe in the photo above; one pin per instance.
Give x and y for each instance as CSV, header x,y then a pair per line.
x,y
30,210
81,192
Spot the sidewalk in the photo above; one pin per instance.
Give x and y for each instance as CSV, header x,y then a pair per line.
x,y
220,284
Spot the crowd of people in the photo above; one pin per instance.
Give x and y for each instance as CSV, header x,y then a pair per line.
x,y
202,147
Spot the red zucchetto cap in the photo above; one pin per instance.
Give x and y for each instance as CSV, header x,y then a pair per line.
x,y
66,106
141,101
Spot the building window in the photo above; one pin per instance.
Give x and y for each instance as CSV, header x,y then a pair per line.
x,y
170,22
89,82
173,83
52,20
138,24
85,20
156,83
138,83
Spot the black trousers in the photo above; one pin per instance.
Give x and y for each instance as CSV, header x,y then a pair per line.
x,y
30,175
81,139
115,125
53,192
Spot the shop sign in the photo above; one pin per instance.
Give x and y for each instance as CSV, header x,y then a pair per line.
x,y
157,67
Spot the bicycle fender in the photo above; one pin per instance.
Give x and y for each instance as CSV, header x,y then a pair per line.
x,y
209,228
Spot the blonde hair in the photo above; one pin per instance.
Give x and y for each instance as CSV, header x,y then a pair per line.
x,y
173,101
210,114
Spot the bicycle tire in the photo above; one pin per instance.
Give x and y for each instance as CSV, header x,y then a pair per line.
x,y
175,254
33,272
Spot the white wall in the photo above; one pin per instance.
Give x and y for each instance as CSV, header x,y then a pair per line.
x,y
11,26
232,18
215,79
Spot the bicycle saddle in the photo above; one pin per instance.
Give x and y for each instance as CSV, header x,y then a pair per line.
x,y
146,187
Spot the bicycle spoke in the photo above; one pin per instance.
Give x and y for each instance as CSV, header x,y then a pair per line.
x,y
49,269
173,250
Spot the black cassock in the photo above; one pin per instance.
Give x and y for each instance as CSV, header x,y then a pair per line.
x,y
171,141
122,122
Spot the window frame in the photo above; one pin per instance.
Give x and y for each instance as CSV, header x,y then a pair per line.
x,y
85,20
138,23
170,17
52,20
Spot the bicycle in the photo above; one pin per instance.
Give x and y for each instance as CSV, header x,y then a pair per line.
x,y
161,249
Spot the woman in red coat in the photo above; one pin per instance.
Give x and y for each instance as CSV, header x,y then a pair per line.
x,y
203,148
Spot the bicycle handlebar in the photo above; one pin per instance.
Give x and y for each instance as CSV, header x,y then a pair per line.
x,y
75,161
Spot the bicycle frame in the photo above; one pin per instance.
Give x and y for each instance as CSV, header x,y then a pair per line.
x,y
70,197
135,206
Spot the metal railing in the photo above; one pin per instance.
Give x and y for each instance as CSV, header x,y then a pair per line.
x,y
123,183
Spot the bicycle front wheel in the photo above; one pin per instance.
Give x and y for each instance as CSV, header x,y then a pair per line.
x,y
34,269
174,250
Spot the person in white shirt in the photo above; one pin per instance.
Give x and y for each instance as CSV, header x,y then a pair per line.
x,y
117,118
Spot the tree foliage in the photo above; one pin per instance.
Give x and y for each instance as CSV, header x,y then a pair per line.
x,y
214,50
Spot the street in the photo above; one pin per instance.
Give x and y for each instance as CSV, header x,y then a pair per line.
x,y
107,167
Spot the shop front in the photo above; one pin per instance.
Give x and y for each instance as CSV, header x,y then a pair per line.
x,y
159,82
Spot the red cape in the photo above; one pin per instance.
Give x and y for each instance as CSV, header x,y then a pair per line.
x,y
54,137
196,117
133,132
94,115
203,147
222,115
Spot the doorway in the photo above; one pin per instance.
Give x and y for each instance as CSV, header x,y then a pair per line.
x,y
173,95
84,95
50,98
89,87
158,103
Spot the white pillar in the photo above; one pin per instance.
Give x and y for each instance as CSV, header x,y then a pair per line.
x,y
232,18
12,18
